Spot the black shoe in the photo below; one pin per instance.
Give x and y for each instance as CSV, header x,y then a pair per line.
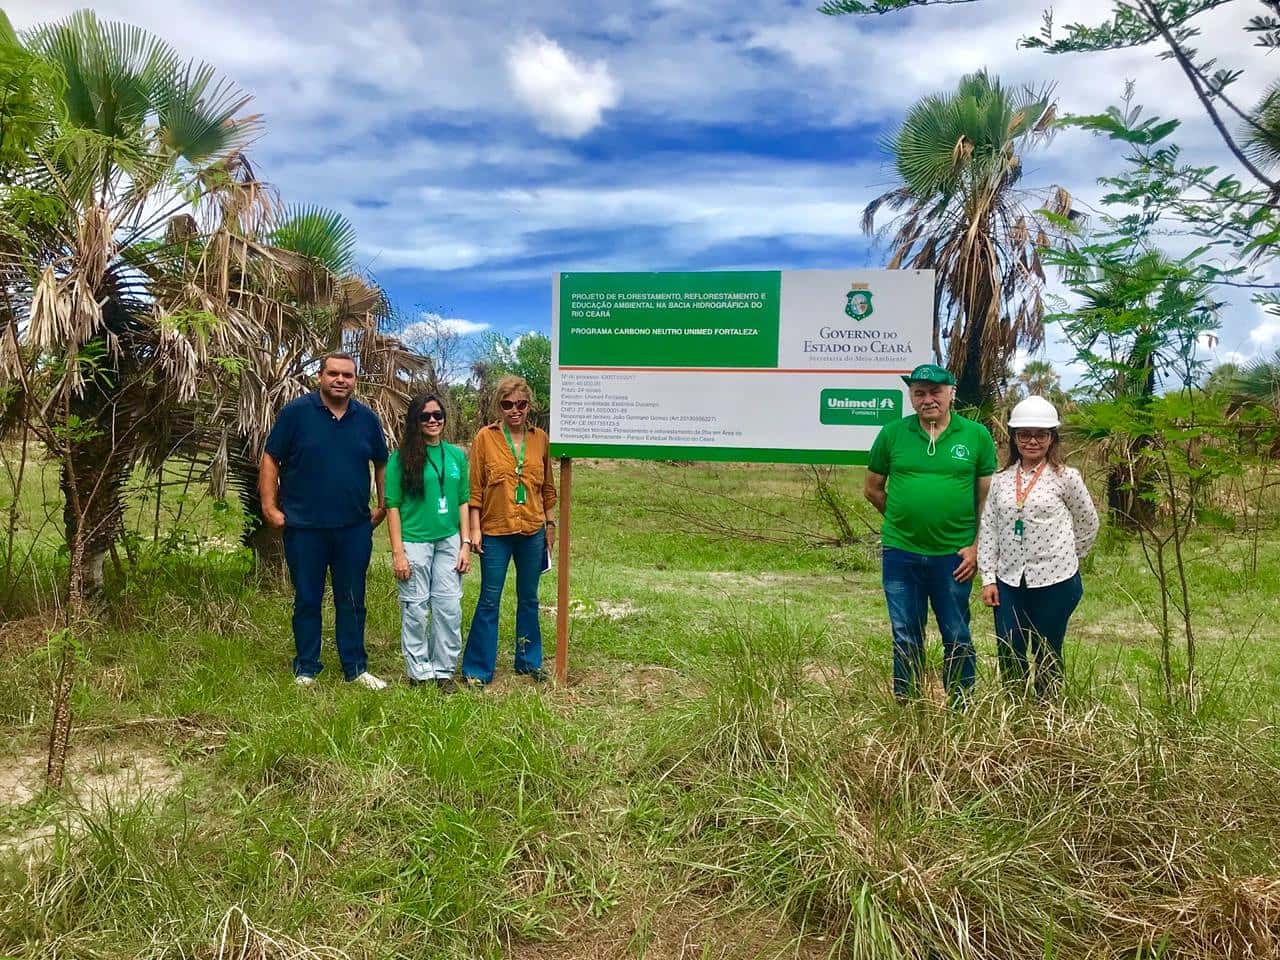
x,y
446,685
414,682
538,676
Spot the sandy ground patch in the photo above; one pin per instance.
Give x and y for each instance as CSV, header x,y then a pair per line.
x,y
96,779
611,610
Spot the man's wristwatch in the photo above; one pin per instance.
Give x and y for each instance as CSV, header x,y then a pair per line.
x,y
466,542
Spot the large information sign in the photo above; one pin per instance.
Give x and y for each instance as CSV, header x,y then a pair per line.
x,y
792,366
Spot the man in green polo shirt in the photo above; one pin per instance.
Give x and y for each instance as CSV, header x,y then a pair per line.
x,y
928,474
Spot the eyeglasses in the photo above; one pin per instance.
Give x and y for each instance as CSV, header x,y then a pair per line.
x,y
1039,436
433,415
514,404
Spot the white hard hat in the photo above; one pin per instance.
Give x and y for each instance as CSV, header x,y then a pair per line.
x,y
1034,412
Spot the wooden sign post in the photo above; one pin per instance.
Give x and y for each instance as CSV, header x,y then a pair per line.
x,y
562,572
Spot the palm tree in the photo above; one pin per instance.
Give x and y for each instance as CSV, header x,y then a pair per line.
x,y
958,159
300,282
108,315
1039,379
1252,393
1141,316
107,303
1261,131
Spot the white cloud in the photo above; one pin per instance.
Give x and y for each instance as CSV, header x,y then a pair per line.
x,y
804,45
427,327
408,119
567,96
1265,332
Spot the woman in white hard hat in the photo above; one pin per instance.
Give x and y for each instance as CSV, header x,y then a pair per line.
x,y
1038,522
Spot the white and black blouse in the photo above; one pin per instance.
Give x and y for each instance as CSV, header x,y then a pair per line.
x,y
1059,525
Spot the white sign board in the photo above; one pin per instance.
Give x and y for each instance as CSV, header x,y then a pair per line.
x,y
791,366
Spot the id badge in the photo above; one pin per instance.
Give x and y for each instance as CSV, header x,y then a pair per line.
x,y
1018,528
443,507
519,493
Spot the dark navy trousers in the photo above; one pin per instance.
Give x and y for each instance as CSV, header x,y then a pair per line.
x,y
342,554
1031,624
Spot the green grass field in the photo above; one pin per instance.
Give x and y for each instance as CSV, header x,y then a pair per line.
x,y
724,776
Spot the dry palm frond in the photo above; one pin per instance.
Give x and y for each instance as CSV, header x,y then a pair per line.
x,y
179,359
219,466
961,152
894,200
65,313
95,245
1060,202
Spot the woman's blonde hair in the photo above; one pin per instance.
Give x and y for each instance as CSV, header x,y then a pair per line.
x,y
508,385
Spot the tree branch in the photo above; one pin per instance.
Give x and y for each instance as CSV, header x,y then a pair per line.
x,y
1206,100
839,8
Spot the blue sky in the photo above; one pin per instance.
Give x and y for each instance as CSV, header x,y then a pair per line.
x,y
480,148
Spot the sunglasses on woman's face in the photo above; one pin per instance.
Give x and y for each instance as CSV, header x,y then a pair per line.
x,y
1036,436
433,415
514,404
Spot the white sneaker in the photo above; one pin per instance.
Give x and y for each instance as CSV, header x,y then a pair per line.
x,y
304,681
367,679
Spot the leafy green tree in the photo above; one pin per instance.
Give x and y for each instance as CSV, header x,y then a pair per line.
x,y
30,100
1142,311
1238,217
107,313
1174,27
107,310
958,159
528,356
1142,316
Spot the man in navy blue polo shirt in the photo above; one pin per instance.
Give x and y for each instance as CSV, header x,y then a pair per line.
x,y
314,482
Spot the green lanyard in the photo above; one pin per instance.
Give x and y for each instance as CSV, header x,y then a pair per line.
x,y
519,459
442,505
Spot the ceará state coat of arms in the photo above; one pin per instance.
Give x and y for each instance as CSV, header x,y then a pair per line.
x,y
857,302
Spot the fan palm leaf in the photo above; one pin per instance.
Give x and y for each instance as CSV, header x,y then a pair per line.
x,y
118,321
323,235
958,161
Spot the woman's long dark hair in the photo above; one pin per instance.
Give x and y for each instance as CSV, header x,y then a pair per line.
x,y
1052,456
413,449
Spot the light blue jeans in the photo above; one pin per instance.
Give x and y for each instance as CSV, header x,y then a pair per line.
x,y
432,592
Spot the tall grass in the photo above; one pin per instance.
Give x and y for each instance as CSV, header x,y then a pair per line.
x,y
727,777
1008,831
426,828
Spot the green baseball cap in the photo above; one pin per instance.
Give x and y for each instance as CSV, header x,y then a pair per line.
x,y
930,373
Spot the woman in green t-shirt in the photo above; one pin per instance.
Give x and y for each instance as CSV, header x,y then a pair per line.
x,y
427,492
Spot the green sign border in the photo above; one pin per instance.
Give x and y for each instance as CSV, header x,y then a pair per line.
x,y
622,451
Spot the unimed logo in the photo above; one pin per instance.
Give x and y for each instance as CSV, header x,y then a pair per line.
x,y
861,408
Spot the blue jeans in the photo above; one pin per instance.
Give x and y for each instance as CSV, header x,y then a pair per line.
x,y
481,655
312,554
1034,619
913,582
